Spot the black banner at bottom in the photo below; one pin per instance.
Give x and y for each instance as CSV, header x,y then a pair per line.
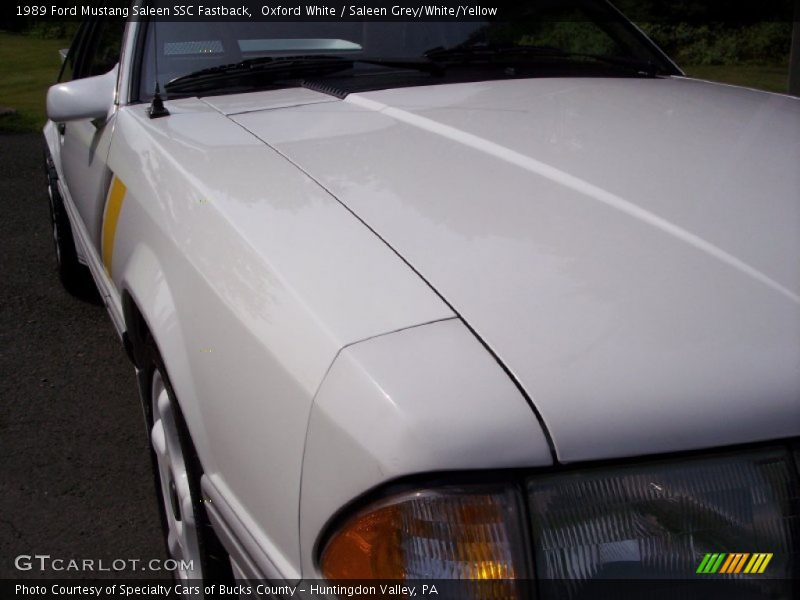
x,y
433,589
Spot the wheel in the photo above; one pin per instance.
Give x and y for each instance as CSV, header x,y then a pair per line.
x,y
74,276
188,534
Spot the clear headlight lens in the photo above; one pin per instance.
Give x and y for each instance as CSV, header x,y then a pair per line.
x,y
659,520
723,517
447,533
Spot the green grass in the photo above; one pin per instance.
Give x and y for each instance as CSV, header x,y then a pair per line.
x,y
28,66
772,79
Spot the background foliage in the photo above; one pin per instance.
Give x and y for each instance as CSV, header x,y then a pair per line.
x,y
765,43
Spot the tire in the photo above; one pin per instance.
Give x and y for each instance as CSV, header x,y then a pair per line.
x,y
74,276
188,534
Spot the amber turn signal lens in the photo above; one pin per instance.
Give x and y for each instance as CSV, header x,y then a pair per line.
x,y
448,533
367,548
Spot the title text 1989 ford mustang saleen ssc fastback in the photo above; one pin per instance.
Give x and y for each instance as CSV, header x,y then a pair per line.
x,y
444,300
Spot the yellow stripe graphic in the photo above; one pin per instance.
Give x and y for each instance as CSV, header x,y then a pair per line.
x,y
765,563
757,564
755,558
110,219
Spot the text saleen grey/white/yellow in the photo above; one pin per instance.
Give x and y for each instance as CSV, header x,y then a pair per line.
x,y
420,11
416,12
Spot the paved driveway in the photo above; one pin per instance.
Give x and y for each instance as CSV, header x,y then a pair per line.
x,y
75,476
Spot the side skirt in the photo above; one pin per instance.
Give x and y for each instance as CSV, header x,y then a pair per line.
x,y
108,292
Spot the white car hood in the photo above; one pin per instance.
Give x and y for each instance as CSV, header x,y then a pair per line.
x,y
629,249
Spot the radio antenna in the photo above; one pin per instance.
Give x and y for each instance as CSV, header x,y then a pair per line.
x,y
157,108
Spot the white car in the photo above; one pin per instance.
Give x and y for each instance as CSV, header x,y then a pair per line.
x,y
444,300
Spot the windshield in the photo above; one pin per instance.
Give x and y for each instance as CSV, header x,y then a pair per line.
x,y
540,38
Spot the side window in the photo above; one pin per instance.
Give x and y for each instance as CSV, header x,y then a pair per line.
x,y
67,72
95,50
105,47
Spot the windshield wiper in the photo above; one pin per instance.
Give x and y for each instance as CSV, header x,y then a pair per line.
x,y
496,54
268,68
263,68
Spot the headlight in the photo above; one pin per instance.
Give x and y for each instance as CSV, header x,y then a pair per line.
x,y
660,520
709,518
447,533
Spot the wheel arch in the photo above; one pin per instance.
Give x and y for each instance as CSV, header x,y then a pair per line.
x,y
150,317
150,311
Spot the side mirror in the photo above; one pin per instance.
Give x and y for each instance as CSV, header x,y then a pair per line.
x,y
89,98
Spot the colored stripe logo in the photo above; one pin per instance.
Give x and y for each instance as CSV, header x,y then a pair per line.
x,y
113,207
733,563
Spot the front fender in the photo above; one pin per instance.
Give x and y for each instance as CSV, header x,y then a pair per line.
x,y
428,398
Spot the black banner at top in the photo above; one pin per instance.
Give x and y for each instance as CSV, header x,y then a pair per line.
x,y
652,11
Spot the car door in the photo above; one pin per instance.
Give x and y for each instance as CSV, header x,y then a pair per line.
x,y
84,145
